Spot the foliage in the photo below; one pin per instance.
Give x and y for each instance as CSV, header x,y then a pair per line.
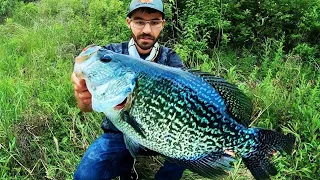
x,y
269,49
248,24
6,6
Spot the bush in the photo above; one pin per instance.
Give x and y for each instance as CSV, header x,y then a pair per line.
x,y
6,7
42,133
247,24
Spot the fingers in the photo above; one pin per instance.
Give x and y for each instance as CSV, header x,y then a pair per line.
x,y
85,97
81,92
87,101
79,84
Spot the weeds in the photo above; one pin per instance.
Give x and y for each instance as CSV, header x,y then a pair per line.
x,y
42,133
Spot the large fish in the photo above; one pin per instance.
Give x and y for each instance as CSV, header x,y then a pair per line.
x,y
190,117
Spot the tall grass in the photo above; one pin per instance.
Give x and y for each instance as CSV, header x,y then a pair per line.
x,y
44,135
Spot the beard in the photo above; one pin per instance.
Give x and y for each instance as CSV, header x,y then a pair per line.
x,y
144,45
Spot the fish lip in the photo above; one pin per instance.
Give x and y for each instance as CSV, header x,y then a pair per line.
x,y
121,105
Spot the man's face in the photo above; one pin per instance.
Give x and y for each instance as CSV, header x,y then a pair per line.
x,y
147,36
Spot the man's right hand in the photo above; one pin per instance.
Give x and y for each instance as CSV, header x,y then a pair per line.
x,y
83,96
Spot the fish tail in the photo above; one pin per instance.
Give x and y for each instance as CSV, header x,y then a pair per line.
x,y
258,161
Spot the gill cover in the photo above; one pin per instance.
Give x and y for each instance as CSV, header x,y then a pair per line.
x,y
108,81
87,56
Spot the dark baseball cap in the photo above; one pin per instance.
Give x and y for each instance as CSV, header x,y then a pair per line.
x,y
153,4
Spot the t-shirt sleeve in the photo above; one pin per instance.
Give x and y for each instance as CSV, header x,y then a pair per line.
x,y
174,60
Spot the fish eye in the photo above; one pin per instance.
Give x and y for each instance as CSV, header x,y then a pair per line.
x,y
106,58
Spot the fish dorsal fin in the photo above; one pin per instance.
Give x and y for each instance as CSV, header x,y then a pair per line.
x,y
238,104
213,165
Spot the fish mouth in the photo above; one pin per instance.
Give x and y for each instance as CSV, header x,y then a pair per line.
x,y
121,105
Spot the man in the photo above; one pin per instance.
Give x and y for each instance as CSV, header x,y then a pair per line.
x,y
107,157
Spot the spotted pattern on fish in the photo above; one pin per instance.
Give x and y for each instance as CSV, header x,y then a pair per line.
x,y
190,118
202,127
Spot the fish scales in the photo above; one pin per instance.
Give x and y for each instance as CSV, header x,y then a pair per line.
x,y
192,118
181,134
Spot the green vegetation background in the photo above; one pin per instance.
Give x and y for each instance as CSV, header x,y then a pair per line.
x,y
270,49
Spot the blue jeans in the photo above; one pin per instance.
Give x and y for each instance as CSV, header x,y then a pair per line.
x,y
107,157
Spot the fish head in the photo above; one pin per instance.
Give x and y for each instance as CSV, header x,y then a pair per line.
x,y
109,81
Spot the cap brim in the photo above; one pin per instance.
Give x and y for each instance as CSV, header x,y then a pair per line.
x,y
138,7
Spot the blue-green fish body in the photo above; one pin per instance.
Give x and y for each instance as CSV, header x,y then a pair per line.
x,y
191,118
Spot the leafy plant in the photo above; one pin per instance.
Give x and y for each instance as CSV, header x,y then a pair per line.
x,y
270,49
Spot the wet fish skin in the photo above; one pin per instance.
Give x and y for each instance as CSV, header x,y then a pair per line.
x,y
179,114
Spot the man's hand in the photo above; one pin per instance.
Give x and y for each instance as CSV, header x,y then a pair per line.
x,y
83,96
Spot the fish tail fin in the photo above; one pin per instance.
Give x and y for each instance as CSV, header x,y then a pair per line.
x,y
258,162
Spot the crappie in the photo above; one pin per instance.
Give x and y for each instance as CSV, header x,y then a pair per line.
x,y
191,118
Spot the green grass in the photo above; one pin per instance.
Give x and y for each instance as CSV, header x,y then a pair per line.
x,y
43,135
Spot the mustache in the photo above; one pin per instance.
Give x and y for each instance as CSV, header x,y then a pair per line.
x,y
146,36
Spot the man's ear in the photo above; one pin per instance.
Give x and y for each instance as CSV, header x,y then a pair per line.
x,y
128,22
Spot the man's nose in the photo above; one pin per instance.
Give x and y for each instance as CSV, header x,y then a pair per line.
x,y
147,29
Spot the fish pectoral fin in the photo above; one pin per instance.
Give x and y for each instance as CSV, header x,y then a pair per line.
x,y
131,145
213,165
136,126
